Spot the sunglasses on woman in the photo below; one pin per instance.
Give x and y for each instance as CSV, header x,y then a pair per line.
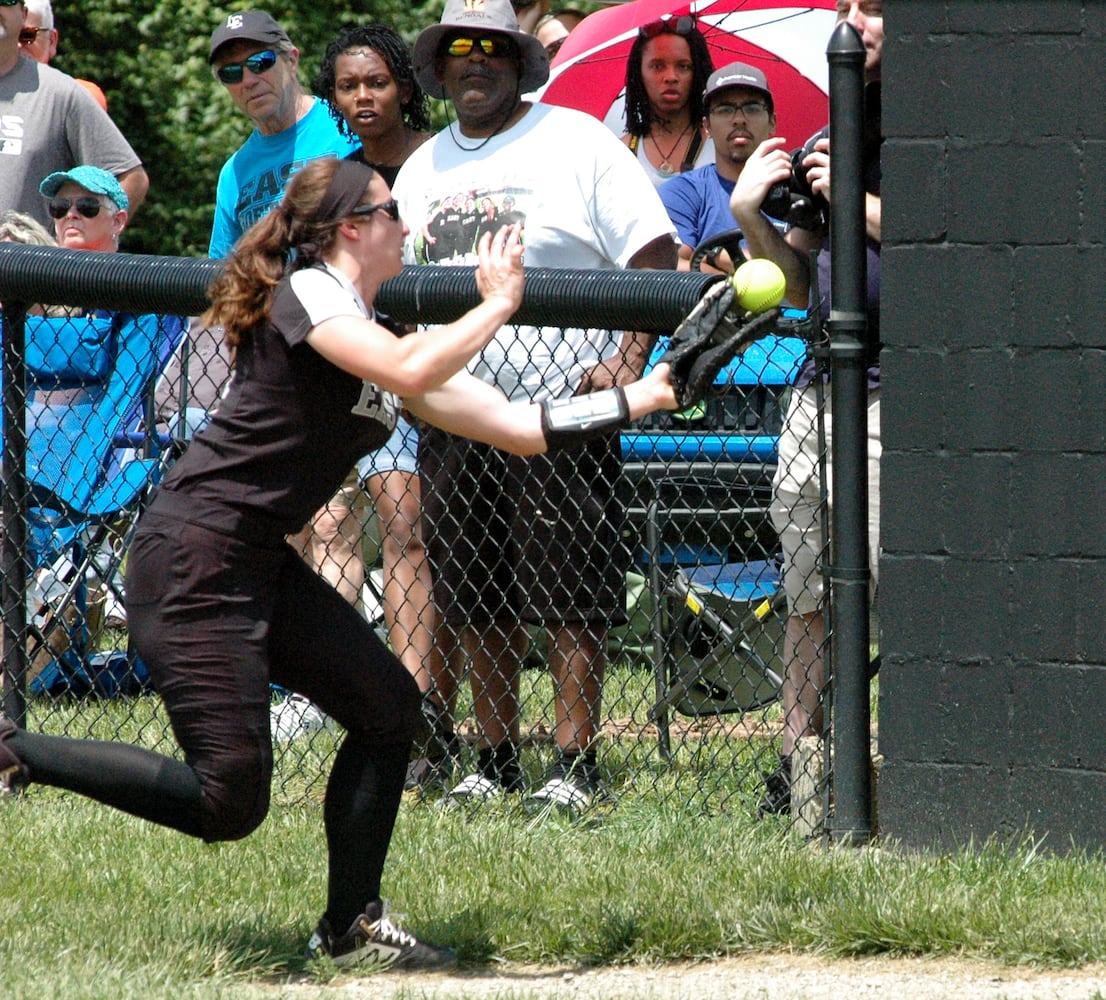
x,y
667,26
389,208
259,62
87,206
491,46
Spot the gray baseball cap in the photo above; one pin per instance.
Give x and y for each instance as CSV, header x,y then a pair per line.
x,y
736,74
248,25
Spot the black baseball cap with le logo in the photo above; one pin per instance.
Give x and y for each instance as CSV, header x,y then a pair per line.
x,y
250,26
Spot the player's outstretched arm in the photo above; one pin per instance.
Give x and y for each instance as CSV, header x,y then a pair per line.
x,y
471,408
421,361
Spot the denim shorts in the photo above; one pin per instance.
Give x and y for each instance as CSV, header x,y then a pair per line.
x,y
398,454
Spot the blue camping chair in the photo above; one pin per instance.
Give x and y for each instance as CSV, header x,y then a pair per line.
x,y
701,488
92,458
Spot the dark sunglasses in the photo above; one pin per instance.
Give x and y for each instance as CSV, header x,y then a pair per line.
x,y
491,46
27,36
389,208
88,206
9,3
667,26
259,62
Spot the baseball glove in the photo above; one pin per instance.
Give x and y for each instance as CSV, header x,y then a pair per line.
x,y
708,339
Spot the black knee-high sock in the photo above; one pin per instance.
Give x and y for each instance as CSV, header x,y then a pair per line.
x,y
130,778
362,799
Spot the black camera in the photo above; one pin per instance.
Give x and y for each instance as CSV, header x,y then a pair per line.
x,y
792,201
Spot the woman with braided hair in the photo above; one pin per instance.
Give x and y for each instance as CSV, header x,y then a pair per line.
x,y
666,74
219,605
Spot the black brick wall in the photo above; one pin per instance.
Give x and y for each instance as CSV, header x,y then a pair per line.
x,y
992,712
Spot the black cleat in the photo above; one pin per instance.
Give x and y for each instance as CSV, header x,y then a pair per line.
x,y
373,940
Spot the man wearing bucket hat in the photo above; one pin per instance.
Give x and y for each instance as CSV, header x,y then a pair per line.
x,y
549,541
740,115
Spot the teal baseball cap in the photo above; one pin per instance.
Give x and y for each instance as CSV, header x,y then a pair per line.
x,y
94,179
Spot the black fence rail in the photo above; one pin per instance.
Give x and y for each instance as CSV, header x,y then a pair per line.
x,y
690,681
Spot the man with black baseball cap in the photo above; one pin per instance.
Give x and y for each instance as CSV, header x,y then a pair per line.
x,y
253,57
740,116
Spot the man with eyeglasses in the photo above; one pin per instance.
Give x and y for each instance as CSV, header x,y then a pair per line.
x,y
253,57
39,40
797,490
518,542
740,115
48,122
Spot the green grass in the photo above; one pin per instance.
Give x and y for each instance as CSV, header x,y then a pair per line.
x,y
97,904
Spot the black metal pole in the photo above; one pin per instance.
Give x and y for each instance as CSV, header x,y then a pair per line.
x,y
848,326
13,555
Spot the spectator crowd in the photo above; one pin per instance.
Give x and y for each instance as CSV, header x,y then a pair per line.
x,y
698,157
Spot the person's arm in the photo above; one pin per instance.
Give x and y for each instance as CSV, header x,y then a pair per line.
x,y
768,165
818,174
529,12
468,407
634,350
873,217
135,182
422,361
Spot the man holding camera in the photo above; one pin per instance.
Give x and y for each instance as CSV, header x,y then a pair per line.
x,y
740,116
797,493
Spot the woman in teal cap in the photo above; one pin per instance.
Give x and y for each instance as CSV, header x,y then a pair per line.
x,y
88,206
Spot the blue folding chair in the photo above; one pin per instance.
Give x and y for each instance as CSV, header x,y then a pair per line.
x,y
701,488
92,458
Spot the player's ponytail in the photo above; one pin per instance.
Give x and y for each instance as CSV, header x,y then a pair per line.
x,y
298,233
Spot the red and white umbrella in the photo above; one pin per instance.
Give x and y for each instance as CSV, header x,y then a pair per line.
x,y
786,40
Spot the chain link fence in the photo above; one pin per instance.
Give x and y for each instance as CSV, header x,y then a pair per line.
x,y
678,689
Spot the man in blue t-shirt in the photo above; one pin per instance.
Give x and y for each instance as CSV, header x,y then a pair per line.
x,y
740,115
253,57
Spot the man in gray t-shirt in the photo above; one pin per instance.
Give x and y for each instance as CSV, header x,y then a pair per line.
x,y
49,122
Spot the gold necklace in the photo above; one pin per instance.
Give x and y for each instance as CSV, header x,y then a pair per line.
x,y
666,169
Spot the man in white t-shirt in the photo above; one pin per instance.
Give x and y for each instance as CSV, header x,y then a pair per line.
x,y
522,542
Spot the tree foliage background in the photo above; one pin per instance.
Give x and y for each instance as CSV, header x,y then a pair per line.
x,y
150,57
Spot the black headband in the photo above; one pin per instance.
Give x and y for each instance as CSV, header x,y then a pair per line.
x,y
345,191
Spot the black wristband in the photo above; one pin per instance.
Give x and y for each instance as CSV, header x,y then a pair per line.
x,y
568,422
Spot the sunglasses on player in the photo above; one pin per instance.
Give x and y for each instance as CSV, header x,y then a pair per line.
x,y
259,62
9,3
490,45
668,26
87,206
389,208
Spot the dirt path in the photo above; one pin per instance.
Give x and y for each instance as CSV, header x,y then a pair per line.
x,y
757,977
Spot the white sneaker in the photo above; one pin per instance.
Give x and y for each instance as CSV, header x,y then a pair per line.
x,y
296,716
570,794
471,790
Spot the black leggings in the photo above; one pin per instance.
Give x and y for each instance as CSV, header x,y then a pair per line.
x,y
216,620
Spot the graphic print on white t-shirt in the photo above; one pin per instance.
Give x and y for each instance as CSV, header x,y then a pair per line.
x,y
456,223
